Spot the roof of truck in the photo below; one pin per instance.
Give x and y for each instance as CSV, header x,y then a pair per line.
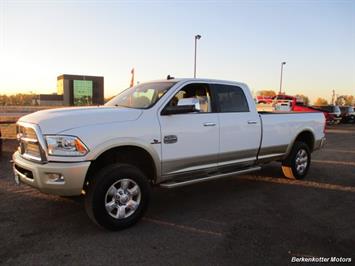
x,y
198,80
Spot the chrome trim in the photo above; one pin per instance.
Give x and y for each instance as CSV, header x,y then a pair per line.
x,y
237,156
28,139
189,164
272,150
170,139
231,162
42,144
208,178
271,155
270,158
209,124
200,162
31,157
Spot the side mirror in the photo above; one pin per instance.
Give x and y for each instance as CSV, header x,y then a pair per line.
x,y
190,101
184,106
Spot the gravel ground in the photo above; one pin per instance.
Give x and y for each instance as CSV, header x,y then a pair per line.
x,y
257,219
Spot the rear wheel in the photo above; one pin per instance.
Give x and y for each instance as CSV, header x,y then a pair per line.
x,y
117,197
297,163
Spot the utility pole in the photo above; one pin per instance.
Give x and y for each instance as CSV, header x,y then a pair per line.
x,y
282,68
333,97
197,37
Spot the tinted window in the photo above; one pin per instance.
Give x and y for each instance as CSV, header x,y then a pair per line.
x,y
230,98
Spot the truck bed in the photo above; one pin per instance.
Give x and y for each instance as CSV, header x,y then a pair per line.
x,y
279,129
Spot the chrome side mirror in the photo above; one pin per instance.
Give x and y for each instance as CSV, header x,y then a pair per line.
x,y
190,101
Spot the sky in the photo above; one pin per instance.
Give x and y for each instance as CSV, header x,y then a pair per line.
x,y
241,40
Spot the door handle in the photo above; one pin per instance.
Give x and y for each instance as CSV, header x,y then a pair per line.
x,y
209,124
170,139
252,122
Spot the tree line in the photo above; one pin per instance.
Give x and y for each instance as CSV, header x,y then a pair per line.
x,y
19,99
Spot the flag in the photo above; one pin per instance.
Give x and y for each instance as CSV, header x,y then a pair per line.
x,y
132,78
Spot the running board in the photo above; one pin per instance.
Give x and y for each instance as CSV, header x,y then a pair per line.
x,y
173,184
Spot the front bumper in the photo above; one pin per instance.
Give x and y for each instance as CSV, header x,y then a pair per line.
x,y
37,175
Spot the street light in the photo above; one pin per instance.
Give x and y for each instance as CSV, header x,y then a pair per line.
x,y
282,68
197,37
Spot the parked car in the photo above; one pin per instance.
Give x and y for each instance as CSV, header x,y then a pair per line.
x,y
169,133
347,114
333,113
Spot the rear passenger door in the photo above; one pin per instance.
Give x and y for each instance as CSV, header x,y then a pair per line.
x,y
240,127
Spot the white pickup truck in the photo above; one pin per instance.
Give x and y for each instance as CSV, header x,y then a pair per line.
x,y
170,133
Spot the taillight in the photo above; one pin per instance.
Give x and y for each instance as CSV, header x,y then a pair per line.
x,y
325,123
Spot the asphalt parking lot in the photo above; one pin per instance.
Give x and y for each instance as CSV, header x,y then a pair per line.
x,y
257,219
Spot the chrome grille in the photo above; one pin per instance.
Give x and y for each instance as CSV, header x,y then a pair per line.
x,y
29,146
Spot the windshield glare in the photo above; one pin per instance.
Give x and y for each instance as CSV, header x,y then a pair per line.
x,y
142,96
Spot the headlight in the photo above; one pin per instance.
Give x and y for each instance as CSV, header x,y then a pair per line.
x,y
65,146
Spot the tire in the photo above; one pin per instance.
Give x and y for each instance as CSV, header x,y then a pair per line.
x,y
297,163
124,189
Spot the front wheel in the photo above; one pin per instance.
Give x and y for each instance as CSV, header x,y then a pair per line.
x,y
297,163
117,196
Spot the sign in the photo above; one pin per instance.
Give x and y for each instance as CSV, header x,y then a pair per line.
x,y
82,92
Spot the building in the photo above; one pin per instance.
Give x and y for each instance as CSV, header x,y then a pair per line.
x,y
81,90
49,100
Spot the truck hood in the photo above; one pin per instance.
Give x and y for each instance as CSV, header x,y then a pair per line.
x,y
54,121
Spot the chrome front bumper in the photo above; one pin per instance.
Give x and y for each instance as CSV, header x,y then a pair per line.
x,y
39,175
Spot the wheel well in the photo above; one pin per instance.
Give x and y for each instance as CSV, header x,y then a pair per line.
x,y
306,137
124,154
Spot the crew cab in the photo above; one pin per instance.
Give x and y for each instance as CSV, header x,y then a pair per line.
x,y
169,133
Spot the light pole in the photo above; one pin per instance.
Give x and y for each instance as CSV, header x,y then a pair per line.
x,y
197,37
282,69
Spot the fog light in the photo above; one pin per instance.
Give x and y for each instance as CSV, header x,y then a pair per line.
x,y
55,177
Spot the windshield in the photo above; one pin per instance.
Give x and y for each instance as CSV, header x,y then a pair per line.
x,y
142,96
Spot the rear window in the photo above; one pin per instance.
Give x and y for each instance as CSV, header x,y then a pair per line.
x,y
230,98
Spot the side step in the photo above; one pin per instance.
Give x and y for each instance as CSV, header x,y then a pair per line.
x,y
174,184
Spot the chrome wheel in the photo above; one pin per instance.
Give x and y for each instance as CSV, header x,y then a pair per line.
x,y
122,198
301,161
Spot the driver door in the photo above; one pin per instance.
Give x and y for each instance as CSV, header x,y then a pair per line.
x,y
190,141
